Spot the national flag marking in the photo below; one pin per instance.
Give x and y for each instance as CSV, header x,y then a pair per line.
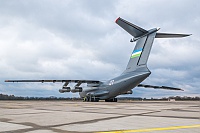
x,y
136,53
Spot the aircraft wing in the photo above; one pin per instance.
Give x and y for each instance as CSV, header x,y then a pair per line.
x,y
159,87
53,81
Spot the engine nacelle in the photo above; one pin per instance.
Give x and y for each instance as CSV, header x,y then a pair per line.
x,y
65,89
128,92
77,89
93,84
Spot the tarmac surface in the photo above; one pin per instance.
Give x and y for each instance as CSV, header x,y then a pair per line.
x,y
74,117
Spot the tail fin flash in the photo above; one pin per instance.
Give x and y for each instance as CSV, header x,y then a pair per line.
x,y
144,43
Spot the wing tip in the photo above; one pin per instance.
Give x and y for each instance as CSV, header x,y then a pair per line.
x,y
117,19
185,35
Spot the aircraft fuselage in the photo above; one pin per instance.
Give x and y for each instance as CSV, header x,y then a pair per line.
x,y
135,72
116,86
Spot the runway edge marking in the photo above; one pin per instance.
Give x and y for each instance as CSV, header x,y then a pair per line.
x,y
153,129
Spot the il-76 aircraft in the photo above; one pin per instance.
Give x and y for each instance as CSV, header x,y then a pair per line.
x,y
135,72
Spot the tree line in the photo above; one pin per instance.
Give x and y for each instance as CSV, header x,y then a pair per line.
x,y
177,98
12,97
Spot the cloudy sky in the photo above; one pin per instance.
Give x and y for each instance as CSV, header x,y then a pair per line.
x,y
68,39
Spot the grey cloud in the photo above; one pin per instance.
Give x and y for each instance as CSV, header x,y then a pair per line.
x,y
79,40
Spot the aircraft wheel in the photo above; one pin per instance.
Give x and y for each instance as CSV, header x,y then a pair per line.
x,y
97,100
94,99
111,100
114,99
90,99
107,100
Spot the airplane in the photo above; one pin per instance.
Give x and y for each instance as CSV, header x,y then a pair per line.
x,y
135,72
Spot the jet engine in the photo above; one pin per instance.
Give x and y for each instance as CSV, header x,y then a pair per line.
x,y
77,89
127,92
65,89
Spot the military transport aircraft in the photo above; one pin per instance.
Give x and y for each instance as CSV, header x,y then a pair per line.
x,y
135,72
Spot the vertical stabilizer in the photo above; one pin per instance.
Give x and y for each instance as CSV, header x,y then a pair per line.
x,y
144,40
140,53
143,46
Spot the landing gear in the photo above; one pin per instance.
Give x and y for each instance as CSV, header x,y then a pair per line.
x,y
111,100
91,99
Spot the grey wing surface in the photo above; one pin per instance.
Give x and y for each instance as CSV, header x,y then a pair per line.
x,y
159,87
53,81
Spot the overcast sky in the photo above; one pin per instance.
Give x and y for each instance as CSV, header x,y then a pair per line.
x,y
78,39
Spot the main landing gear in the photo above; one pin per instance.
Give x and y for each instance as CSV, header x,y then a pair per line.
x,y
111,100
90,99
96,99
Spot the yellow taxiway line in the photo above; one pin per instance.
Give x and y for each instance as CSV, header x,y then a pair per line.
x,y
153,129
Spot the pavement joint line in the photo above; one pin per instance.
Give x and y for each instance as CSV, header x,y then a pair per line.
x,y
182,117
152,129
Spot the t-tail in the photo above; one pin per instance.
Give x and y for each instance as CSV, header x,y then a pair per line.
x,y
144,40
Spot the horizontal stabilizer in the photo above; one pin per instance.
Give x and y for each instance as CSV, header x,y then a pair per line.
x,y
169,35
159,87
131,28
